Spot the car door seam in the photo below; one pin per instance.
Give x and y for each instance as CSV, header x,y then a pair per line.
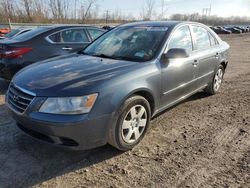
x,y
183,85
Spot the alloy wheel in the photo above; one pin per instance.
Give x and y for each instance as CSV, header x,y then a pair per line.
x,y
218,80
134,124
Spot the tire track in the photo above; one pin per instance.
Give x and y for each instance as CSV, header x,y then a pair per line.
x,y
198,173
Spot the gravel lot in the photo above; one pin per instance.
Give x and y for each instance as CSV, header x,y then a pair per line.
x,y
202,142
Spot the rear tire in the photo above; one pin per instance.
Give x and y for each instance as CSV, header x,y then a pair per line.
x,y
216,82
133,119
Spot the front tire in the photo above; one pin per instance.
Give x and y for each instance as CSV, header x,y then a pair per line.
x,y
133,120
216,83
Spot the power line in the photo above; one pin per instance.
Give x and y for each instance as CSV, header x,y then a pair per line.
x,y
206,12
107,16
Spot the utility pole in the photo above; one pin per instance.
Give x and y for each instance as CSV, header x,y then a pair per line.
x,y
206,11
107,16
75,10
210,9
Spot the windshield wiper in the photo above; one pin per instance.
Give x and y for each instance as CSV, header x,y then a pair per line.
x,y
125,58
103,56
82,52
113,57
96,55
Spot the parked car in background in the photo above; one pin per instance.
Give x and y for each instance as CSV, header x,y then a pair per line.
x,y
234,30
221,30
247,28
109,92
4,31
15,32
43,43
244,30
107,27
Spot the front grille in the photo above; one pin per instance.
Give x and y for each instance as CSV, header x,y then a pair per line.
x,y
18,99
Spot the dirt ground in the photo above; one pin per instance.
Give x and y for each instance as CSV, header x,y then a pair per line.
x,y
202,142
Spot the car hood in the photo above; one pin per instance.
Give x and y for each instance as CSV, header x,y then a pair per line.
x,y
73,75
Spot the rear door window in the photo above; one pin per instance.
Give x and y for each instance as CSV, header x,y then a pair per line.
x,y
55,37
69,36
202,39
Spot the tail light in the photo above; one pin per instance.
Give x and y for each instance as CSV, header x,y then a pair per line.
x,y
15,53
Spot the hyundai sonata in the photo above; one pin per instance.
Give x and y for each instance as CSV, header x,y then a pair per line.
x,y
109,92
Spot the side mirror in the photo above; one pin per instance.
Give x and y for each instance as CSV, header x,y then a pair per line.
x,y
176,53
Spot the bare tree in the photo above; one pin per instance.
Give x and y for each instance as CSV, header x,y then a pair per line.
x,y
95,12
88,4
59,9
148,9
41,11
8,9
164,8
27,4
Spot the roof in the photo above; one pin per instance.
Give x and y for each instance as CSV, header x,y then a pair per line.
x,y
154,23
66,26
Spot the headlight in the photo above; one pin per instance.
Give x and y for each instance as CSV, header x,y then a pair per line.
x,y
69,105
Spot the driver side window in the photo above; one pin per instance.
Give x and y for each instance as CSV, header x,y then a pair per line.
x,y
181,39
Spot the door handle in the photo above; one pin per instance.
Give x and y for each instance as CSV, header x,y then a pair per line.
x,y
67,48
195,63
217,55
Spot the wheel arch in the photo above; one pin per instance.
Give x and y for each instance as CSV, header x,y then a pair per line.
x,y
145,93
224,64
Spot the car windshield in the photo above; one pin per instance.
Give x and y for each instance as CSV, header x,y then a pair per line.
x,y
129,43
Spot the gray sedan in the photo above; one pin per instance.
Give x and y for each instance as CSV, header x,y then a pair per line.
x,y
109,92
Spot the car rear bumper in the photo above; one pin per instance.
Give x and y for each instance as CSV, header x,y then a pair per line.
x,y
81,135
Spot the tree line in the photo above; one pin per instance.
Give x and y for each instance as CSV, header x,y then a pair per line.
x,y
88,11
47,11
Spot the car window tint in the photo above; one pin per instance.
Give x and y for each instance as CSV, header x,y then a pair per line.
x,y
31,34
213,40
55,37
12,33
201,37
181,39
74,35
70,36
95,33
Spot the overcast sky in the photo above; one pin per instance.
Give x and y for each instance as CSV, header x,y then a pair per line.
x,y
223,8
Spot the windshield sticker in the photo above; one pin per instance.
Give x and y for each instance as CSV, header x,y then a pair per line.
x,y
157,29
153,28
140,54
142,27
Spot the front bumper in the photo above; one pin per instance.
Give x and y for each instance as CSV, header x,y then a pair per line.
x,y
71,132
